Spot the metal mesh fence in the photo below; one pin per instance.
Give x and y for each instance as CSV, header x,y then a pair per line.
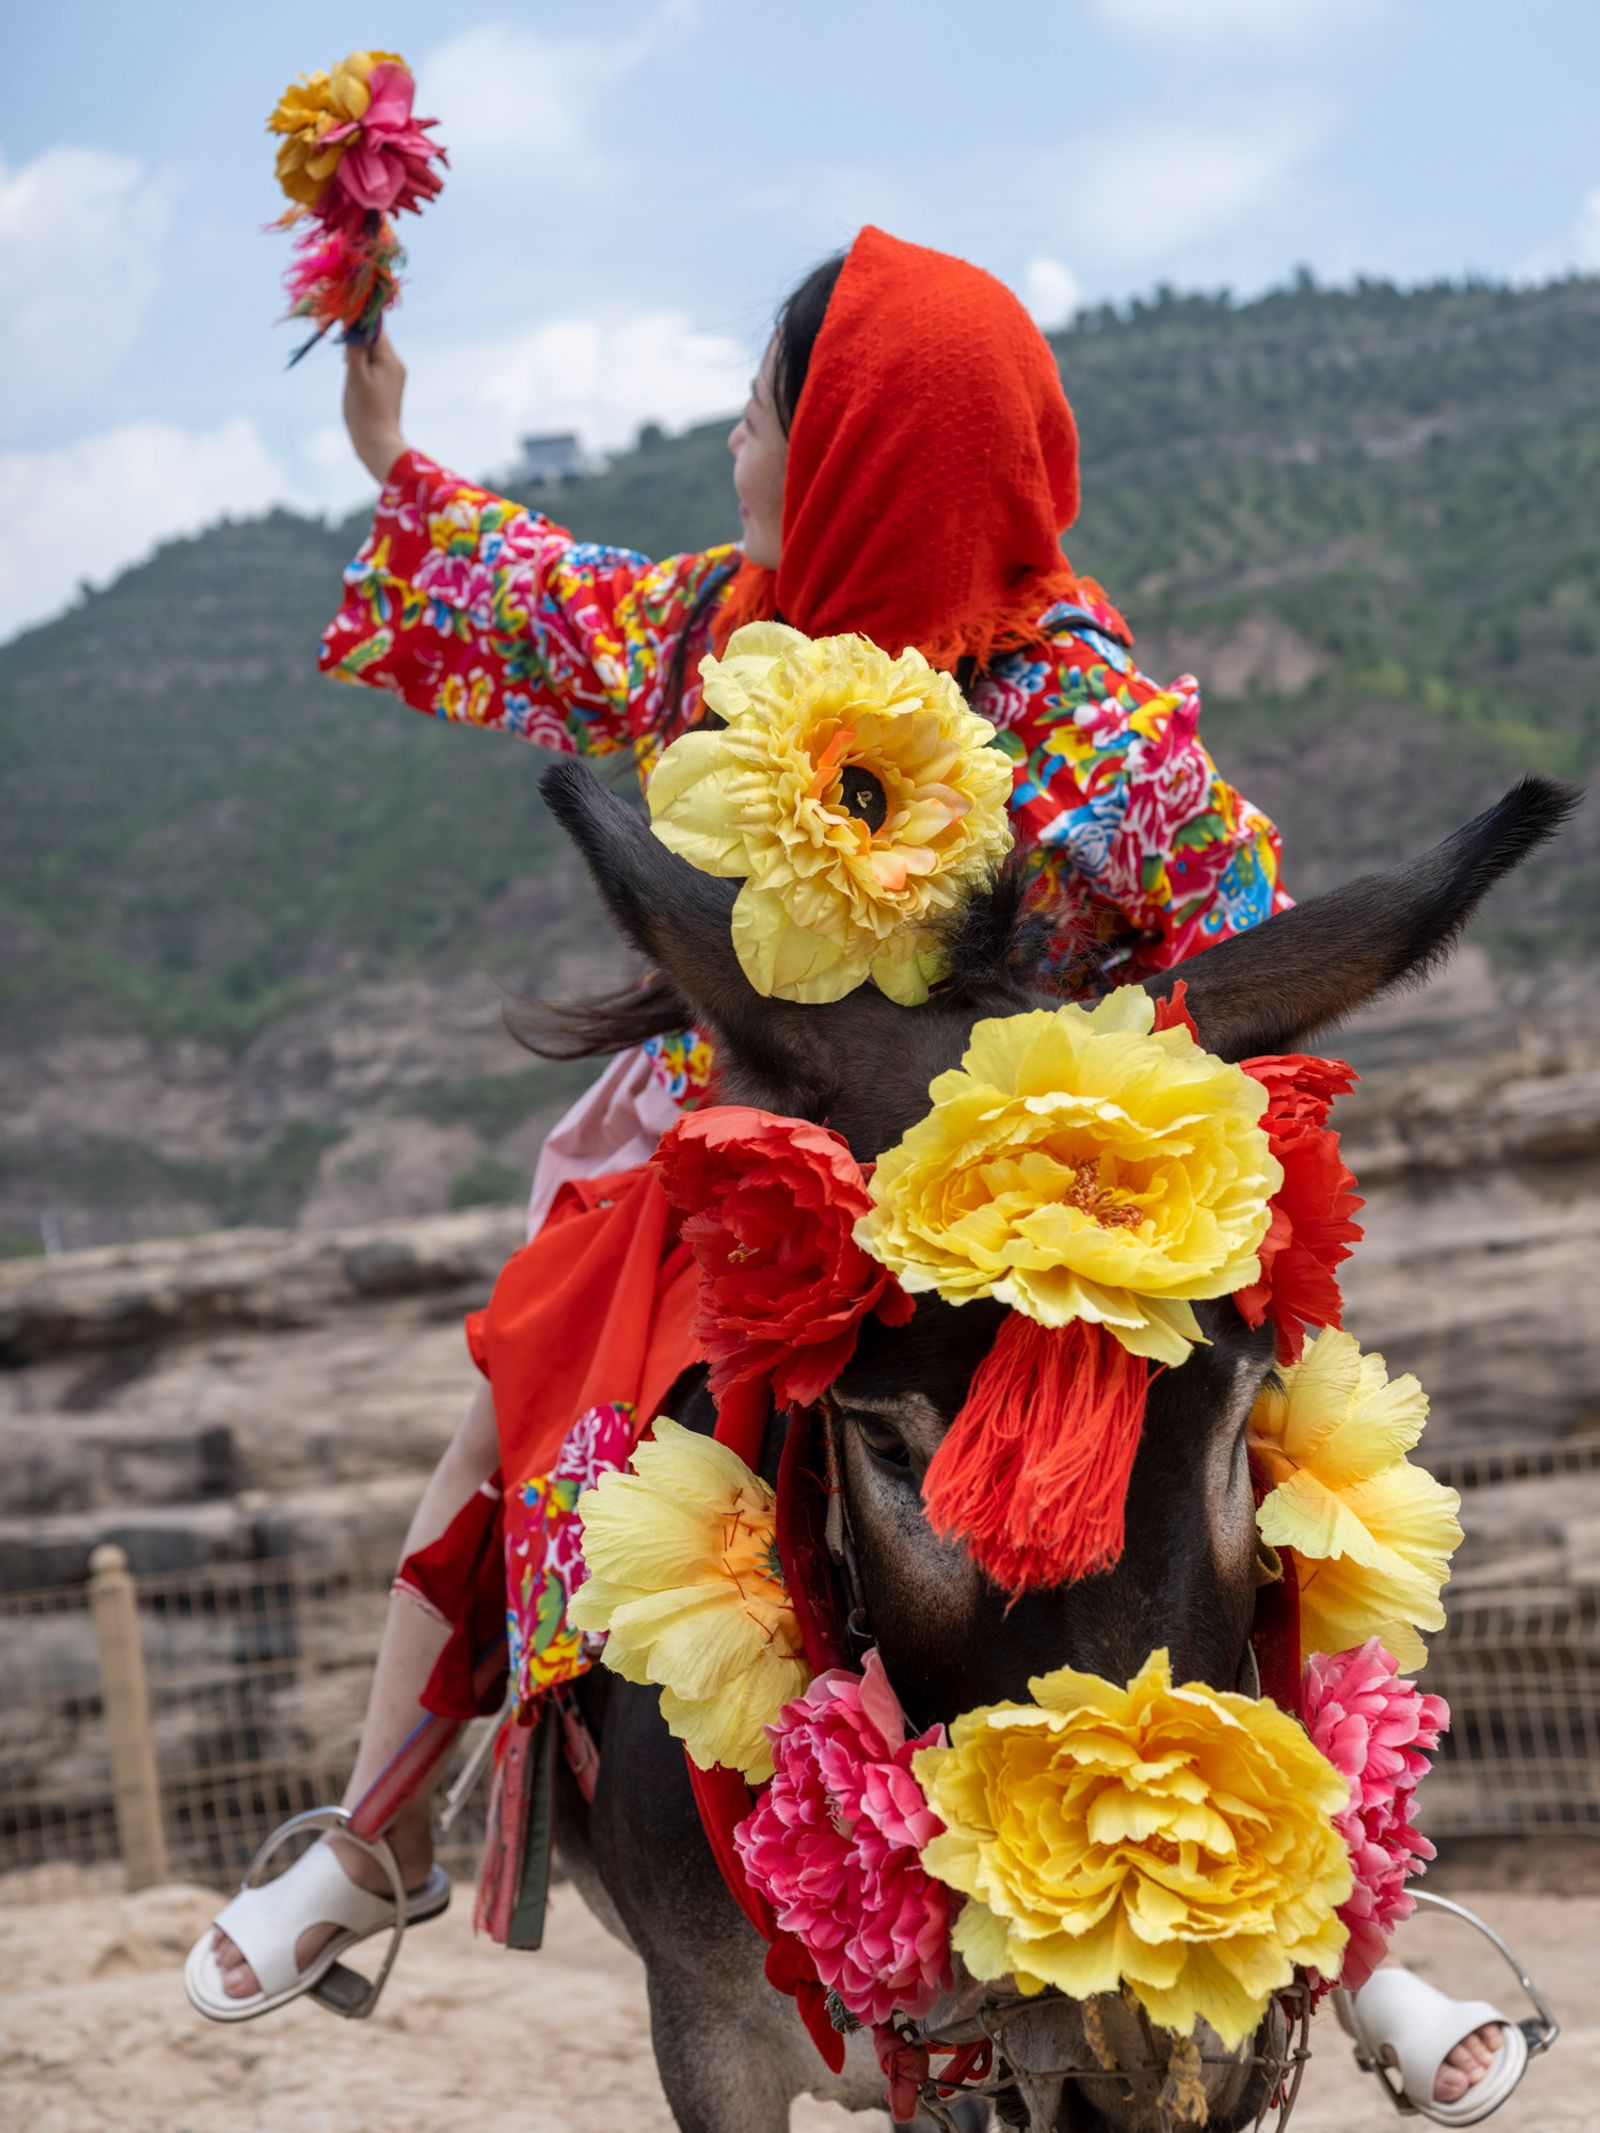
x,y
56,1798
258,1672
1519,1659
1522,1756
257,1675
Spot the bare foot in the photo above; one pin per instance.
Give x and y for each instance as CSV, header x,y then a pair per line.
x,y
1463,2068
1467,2064
414,1849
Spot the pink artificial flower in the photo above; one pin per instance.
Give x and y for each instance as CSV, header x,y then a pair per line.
x,y
1381,1733
387,167
834,1845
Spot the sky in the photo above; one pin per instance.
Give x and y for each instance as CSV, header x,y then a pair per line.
x,y
634,186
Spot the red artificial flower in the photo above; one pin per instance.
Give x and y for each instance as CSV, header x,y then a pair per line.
x,y
387,167
1311,1230
1173,1011
784,1287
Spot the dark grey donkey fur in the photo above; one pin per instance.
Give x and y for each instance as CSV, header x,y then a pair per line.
x,y
731,2052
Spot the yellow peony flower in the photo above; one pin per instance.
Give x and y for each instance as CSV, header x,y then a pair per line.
x,y
1079,1165
1176,1840
683,1566
1373,1534
855,795
311,107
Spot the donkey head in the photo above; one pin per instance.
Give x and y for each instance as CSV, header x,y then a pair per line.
x,y
863,1065
948,1637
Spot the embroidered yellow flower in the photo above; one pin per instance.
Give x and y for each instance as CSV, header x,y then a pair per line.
x,y
1080,1165
855,795
1177,1840
683,1572
311,107
1373,1534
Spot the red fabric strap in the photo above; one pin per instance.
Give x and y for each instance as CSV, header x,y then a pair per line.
x,y
724,1799
598,1307
1276,1637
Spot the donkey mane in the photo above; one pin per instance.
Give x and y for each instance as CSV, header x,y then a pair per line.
x,y
994,935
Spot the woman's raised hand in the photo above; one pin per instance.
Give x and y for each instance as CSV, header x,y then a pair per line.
x,y
374,386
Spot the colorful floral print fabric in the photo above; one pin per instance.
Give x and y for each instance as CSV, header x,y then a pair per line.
x,y
476,610
544,1554
473,608
682,1061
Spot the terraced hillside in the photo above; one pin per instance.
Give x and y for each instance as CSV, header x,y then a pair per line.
x,y
251,924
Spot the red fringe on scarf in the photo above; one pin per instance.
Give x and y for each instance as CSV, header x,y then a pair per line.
x,y
1033,1473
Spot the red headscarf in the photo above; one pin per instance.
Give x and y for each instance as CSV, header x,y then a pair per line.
x,y
933,466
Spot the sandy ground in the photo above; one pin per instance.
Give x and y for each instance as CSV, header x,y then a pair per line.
x,y
96,2036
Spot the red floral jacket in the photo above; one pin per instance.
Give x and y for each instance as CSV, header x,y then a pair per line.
x,y
477,609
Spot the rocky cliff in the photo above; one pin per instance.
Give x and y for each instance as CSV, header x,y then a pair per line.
x,y
251,1391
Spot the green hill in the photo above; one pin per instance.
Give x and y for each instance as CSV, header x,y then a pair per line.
x,y
1367,519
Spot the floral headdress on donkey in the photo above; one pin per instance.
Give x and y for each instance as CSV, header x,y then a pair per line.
x,y
1097,1170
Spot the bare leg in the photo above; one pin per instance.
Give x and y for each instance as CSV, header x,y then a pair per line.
x,y
411,1643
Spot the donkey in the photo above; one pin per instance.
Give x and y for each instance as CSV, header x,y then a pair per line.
x,y
730,2050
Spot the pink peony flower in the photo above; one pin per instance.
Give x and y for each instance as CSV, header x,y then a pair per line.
x,y
387,166
1381,1733
834,1842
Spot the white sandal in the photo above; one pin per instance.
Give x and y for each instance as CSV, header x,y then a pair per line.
x,y
1398,2012
265,1922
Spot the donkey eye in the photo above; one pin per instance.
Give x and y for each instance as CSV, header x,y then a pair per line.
x,y
882,1440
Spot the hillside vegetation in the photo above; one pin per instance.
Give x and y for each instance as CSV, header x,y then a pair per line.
x,y
1367,519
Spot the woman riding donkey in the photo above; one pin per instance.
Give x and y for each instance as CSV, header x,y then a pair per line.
x,y
905,466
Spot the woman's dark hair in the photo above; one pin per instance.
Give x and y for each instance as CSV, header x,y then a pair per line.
x,y
794,338
795,335
614,1021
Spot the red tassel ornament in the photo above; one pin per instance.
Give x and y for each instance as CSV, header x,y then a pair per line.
x,y
1033,1473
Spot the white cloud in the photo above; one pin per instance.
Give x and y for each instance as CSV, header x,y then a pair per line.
x,y
1578,248
471,403
1188,181
94,506
81,237
517,96
103,502
1051,291
1201,21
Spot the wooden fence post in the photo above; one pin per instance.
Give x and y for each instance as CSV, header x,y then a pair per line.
x,y
115,1608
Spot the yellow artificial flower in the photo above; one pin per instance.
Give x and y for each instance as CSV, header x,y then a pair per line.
x,y
311,107
1373,1534
855,795
1176,1840
1080,1165
683,1569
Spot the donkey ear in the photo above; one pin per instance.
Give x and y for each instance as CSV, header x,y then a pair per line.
x,y
1273,988
784,1057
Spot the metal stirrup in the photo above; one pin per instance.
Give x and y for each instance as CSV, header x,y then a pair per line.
x,y
1540,2034
340,1989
